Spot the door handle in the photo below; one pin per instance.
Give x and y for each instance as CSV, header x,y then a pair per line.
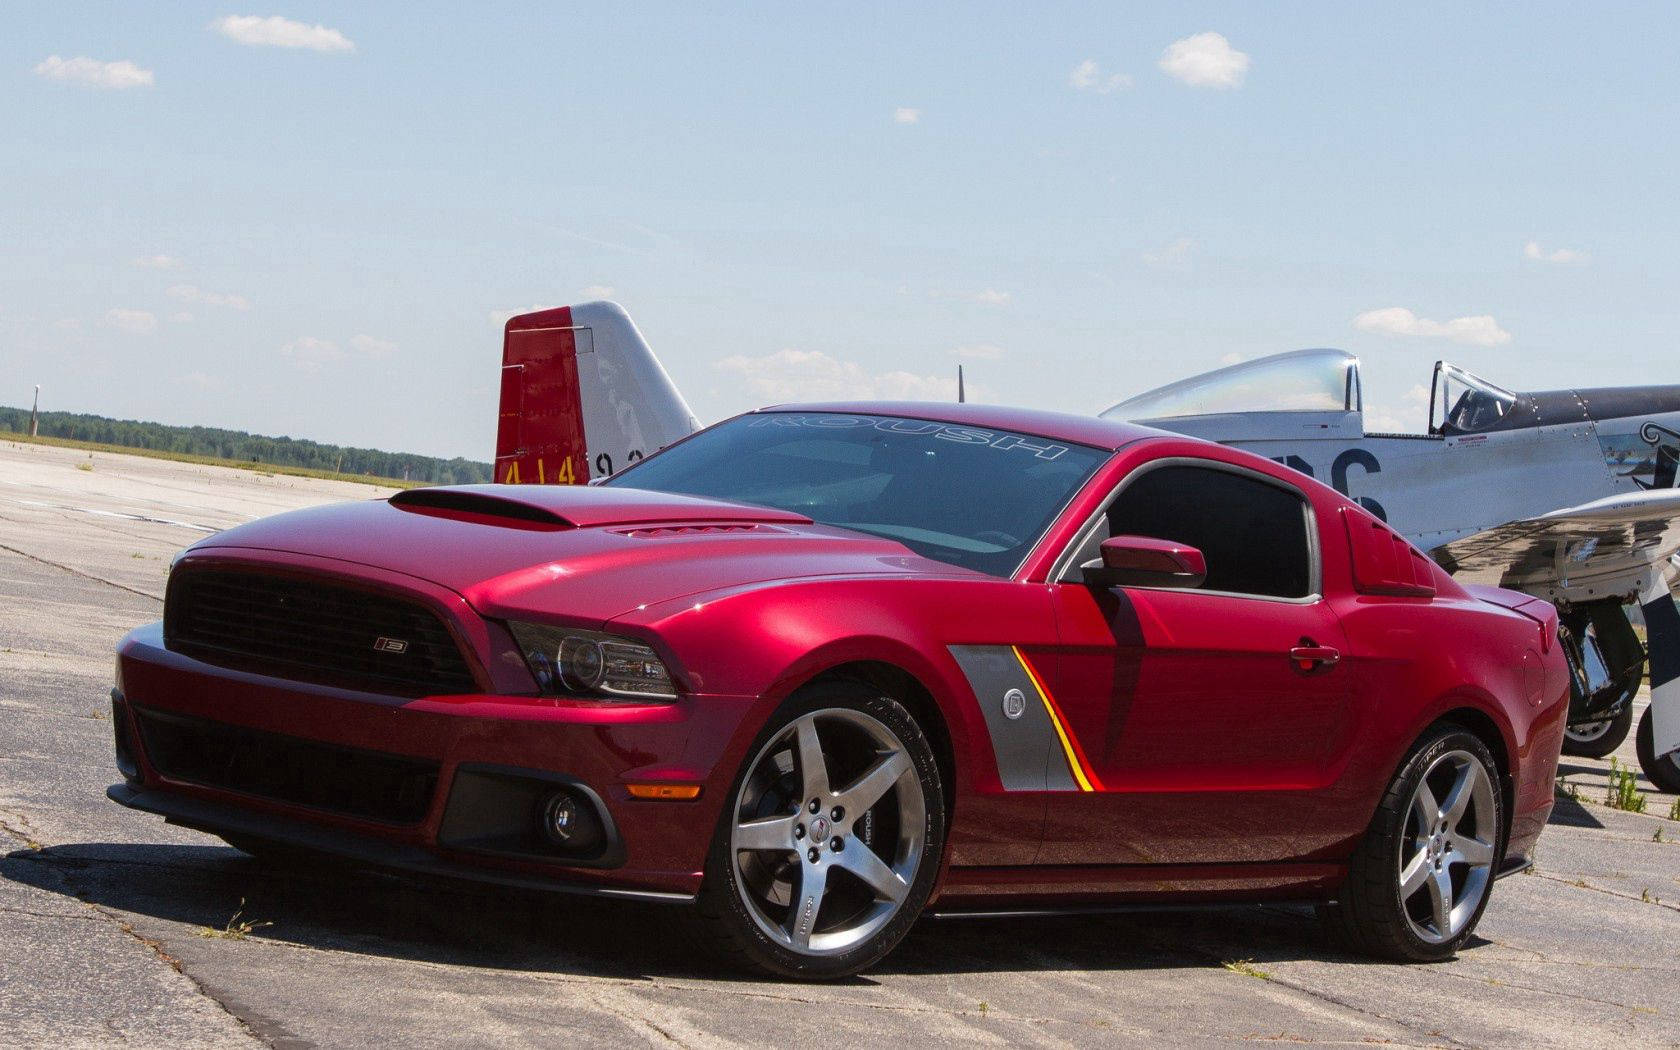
x,y
1314,657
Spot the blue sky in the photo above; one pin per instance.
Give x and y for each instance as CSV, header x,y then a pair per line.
x,y
309,219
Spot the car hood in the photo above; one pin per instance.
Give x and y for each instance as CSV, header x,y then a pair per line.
x,y
575,553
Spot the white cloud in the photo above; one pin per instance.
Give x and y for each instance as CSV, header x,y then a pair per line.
x,y
138,322
979,352
1176,255
1532,250
368,345
811,375
1413,417
94,73
596,291
158,262
68,324
1088,76
135,321
906,115
1480,330
1205,60
1232,359
181,317
275,31
312,354
500,318
193,294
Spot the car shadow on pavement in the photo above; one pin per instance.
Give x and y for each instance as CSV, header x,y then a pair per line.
x,y
398,917
1569,812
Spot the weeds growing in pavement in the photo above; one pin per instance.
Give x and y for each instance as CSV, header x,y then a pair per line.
x,y
1246,967
236,928
1564,789
1674,810
1624,793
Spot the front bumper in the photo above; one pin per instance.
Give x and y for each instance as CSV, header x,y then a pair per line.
x,y
452,747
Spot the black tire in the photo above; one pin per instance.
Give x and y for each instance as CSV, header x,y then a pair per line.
x,y
1371,915
1605,742
1662,770
721,921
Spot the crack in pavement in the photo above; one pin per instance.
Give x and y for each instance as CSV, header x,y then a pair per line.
x,y
257,1027
1582,884
78,572
1553,991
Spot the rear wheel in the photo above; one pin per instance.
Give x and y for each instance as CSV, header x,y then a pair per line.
x,y
1418,883
1597,739
830,843
1663,770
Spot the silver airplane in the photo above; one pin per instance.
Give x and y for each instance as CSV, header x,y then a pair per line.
x,y
1568,495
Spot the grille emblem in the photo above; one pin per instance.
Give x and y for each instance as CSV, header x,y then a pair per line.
x,y
390,645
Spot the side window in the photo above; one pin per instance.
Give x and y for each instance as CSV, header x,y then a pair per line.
x,y
1253,533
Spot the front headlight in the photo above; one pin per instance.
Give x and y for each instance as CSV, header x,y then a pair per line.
x,y
569,662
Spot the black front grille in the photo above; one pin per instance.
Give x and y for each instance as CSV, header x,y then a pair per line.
x,y
308,630
390,789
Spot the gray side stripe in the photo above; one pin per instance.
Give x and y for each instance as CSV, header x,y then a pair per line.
x,y
1029,754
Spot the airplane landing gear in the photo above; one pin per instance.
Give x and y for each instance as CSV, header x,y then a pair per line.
x,y
1662,770
1607,667
1659,731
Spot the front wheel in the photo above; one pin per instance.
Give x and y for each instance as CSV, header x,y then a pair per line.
x,y
1418,883
1663,770
829,845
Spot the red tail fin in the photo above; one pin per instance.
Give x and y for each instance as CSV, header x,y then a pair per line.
x,y
582,396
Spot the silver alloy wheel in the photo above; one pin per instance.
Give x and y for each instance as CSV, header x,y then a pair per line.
x,y
1447,851
871,829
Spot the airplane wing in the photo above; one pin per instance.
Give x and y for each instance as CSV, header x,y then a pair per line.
x,y
1595,550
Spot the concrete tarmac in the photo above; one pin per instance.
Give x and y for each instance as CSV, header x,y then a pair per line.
x,y
107,915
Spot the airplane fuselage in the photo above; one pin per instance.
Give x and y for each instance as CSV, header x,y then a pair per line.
x,y
1437,490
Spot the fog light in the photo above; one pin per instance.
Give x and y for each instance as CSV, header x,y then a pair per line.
x,y
571,823
561,818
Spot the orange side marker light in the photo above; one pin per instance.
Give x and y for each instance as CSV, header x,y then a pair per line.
x,y
665,791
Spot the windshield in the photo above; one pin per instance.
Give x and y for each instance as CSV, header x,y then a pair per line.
x,y
970,496
1464,403
1299,381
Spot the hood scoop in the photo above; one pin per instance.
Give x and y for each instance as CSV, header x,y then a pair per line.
x,y
578,506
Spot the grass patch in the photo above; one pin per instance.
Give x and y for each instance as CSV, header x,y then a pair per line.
x,y
1624,793
1673,811
265,469
1246,967
237,929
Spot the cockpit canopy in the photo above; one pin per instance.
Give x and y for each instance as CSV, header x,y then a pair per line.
x,y
1323,383
1298,381
1462,403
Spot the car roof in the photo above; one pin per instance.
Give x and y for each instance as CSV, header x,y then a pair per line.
x,y
1106,434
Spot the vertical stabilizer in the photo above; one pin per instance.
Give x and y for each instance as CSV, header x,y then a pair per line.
x,y
582,396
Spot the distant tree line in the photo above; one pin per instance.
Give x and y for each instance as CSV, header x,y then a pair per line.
x,y
247,448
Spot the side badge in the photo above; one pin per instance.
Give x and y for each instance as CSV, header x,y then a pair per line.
x,y
1014,704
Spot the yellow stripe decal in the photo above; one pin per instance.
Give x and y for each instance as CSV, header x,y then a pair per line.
x,y
1073,762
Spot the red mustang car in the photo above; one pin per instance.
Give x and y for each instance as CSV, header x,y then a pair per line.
x,y
815,671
